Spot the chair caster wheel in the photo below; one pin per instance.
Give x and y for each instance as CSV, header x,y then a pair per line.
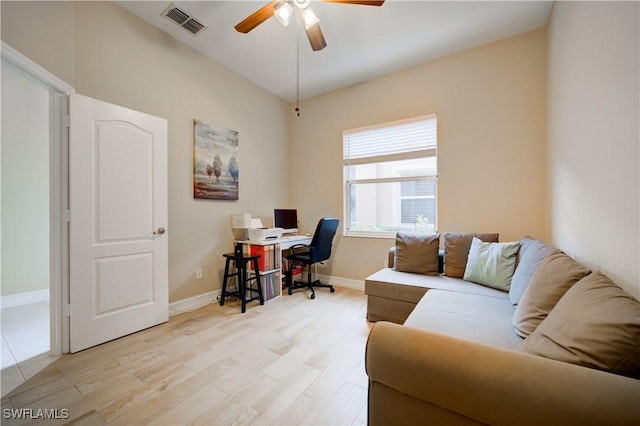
x,y
332,290
290,292
313,296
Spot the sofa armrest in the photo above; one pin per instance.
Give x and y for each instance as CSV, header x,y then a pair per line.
x,y
490,385
392,257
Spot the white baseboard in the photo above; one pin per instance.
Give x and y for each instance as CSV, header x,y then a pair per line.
x,y
197,302
342,282
26,298
192,303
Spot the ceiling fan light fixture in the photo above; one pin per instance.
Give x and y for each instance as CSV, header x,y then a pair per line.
x,y
310,18
302,4
283,12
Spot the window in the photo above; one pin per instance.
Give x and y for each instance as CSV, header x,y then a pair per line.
x,y
390,178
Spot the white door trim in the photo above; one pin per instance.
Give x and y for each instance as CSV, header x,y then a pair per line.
x,y
59,188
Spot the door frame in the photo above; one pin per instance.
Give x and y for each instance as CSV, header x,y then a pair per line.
x,y
58,194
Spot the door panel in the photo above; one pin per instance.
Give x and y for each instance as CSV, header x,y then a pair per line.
x,y
118,198
123,178
123,282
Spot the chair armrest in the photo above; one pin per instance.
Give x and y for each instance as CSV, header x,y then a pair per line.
x,y
492,385
293,248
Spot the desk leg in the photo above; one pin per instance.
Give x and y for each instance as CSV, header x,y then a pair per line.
x,y
243,287
224,282
258,283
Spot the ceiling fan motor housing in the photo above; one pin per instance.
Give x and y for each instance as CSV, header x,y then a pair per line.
x,y
302,4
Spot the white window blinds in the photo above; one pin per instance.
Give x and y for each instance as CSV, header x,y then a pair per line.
x,y
414,138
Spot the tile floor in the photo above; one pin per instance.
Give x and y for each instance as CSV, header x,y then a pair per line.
x,y
25,343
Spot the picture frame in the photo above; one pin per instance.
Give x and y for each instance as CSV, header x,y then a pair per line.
x,y
215,162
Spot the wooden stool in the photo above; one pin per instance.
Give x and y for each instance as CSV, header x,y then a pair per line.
x,y
240,263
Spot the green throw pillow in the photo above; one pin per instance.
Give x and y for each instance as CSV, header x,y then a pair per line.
x,y
491,264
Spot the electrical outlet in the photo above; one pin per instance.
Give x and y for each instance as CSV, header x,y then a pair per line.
x,y
199,274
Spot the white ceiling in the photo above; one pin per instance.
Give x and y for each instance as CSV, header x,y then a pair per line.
x,y
363,42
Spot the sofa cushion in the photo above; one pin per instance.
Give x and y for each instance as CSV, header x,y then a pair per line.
x,y
473,317
456,250
417,253
532,252
392,295
596,324
491,264
553,277
410,287
383,309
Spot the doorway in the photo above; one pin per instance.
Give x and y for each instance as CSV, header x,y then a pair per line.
x,y
115,292
32,231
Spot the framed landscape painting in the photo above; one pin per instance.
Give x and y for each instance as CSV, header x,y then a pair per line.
x,y
215,158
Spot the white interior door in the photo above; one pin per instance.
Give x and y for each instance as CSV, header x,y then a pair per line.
x,y
118,216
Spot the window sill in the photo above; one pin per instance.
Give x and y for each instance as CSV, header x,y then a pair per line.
x,y
385,236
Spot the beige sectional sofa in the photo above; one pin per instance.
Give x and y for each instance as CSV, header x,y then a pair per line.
x,y
560,346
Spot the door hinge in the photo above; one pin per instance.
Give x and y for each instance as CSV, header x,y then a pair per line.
x,y
67,215
66,310
66,121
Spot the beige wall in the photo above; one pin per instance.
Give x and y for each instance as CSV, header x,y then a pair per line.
x,y
593,136
44,31
120,59
490,103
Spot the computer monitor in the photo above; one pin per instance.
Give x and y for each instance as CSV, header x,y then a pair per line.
x,y
286,219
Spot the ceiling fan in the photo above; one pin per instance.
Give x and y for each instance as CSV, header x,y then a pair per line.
x,y
283,10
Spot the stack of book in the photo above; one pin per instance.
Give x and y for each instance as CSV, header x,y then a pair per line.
x,y
269,264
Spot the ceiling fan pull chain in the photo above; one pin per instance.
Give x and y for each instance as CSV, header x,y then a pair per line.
x,y
297,69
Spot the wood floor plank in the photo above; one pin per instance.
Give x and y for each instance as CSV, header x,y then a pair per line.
x,y
291,361
92,418
276,401
236,408
190,408
300,411
332,379
94,401
344,407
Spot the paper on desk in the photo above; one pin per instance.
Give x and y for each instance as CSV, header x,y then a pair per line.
x,y
241,220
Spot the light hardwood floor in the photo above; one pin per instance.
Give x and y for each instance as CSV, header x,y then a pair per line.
x,y
292,361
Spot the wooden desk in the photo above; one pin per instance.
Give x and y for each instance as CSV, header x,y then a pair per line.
x,y
285,241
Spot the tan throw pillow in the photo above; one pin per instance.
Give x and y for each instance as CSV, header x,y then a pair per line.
x,y
417,253
456,251
551,280
596,324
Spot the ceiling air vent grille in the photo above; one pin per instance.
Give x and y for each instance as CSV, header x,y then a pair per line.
x,y
194,26
183,19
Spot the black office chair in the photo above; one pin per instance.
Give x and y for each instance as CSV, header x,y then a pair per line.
x,y
317,251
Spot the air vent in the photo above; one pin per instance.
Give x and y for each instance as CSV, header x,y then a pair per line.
x,y
194,26
183,19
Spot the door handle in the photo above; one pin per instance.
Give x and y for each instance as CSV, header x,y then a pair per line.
x,y
160,231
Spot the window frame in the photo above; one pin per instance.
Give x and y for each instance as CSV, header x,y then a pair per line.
x,y
348,184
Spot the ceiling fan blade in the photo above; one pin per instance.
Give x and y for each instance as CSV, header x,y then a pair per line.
x,y
257,18
360,2
316,38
